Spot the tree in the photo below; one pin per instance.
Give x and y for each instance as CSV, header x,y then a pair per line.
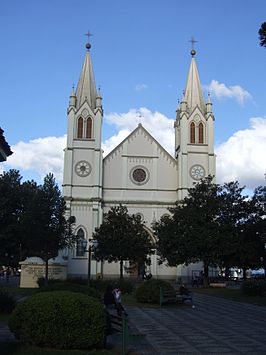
x,y
203,227
195,225
122,237
262,35
12,195
44,224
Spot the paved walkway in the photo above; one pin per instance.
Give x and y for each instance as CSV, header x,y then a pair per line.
x,y
215,326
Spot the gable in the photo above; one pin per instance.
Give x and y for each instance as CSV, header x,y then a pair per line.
x,y
141,163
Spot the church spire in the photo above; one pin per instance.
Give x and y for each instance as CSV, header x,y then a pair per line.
x,y
193,93
86,89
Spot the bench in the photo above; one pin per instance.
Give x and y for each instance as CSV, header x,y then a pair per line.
x,y
167,296
119,324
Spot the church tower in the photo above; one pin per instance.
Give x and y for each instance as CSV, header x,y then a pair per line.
x,y
82,181
194,133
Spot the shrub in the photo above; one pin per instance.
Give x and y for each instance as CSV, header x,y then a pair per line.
x,y
254,287
67,286
149,291
59,319
126,286
7,302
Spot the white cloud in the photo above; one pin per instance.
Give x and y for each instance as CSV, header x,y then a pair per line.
x,y
158,125
110,143
140,87
41,155
236,92
242,156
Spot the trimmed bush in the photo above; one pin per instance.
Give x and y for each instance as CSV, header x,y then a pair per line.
x,y
66,286
149,291
254,287
59,319
7,302
125,285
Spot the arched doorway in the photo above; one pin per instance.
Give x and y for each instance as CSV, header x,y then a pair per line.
x,y
139,269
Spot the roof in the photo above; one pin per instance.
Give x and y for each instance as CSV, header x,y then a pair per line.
x,y
140,127
86,89
193,93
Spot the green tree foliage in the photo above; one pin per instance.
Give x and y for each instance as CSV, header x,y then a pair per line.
x,y
14,199
262,34
212,224
194,223
32,219
122,237
44,223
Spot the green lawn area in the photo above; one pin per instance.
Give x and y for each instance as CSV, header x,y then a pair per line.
x,y
232,294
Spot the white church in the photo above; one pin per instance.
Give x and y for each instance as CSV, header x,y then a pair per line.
x,y
139,173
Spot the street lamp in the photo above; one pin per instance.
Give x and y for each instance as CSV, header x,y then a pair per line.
x,y
89,250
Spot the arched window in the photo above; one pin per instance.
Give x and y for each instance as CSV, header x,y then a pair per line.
x,y
89,128
79,247
192,132
201,133
80,128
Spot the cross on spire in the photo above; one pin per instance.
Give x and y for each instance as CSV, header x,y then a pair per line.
x,y
88,34
192,41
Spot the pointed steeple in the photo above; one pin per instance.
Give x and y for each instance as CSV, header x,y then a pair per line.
x,y
86,89
193,93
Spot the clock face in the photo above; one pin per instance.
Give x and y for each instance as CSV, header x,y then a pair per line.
x,y
83,168
197,172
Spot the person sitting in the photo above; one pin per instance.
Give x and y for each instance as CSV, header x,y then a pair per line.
x,y
186,294
118,302
109,298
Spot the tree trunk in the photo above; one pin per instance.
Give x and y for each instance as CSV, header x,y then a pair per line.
x,y
206,275
121,269
46,271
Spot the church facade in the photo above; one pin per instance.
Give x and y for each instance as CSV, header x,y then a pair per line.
x,y
139,173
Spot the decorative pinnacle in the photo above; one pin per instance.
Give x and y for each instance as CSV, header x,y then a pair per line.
x,y
88,45
193,41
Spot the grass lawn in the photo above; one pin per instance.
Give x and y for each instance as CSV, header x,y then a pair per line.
x,y
19,349
232,294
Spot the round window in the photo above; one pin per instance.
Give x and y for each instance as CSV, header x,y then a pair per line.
x,y
139,175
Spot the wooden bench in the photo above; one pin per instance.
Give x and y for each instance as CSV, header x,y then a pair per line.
x,y
167,296
119,324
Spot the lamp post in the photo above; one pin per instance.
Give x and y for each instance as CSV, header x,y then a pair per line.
x,y
89,251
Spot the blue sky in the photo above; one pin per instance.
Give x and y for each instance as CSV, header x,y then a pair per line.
x,y
141,56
